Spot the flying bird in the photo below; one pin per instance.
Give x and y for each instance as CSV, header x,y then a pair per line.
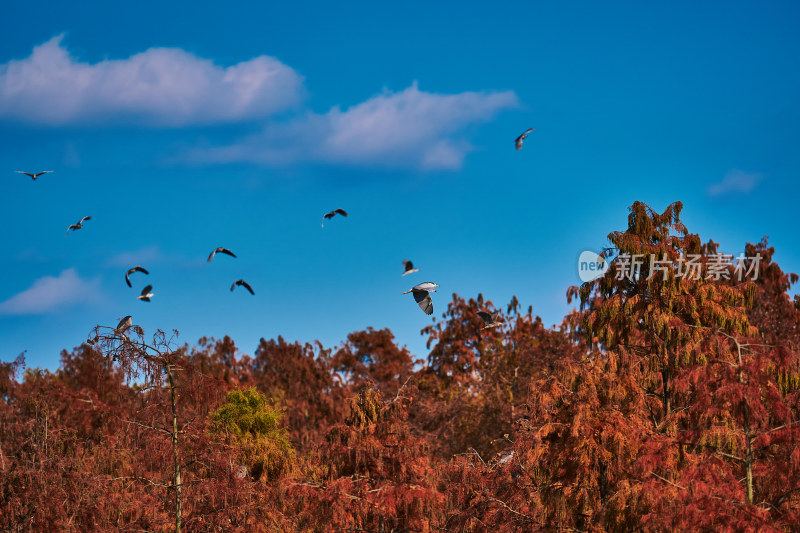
x,y
220,250
422,295
131,271
518,140
34,175
77,226
490,320
123,325
332,214
408,266
146,294
244,284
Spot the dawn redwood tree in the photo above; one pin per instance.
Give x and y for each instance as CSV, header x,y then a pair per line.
x,y
567,464
170,386
450,403
656,300
476,384
773,312
371,356
302,381
712,392
63,438
374,474
742,442
217,359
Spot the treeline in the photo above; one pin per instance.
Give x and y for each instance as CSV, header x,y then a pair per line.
x,y
663,403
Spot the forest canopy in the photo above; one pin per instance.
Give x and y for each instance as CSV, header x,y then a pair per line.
x,y
664,401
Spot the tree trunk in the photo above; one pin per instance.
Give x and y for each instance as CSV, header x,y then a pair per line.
x,y
176,479
748,460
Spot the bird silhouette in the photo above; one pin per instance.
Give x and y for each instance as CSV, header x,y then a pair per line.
x,y
518,140
490,319
77,226
422,295
330,215
34,175
220,250
131,271
408,267
244,284
146,294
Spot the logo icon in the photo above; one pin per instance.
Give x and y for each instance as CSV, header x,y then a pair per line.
x,y
591,266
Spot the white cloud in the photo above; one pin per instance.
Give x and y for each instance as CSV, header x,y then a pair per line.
x,y
49,293
735,181
411,128
158,87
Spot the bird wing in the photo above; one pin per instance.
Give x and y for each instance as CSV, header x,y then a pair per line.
x,y
127,277
226,251
423,298
84,219
147,290
244,284
211,256
485,316
26,173
40,173
247,286
341,212
407,265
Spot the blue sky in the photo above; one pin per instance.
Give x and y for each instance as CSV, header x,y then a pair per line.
x,y
184,127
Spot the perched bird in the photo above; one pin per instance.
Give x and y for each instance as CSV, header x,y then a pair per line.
x,y
331,215
422,295
146,294
77,226
220,250
244,284
131,271
408,266
34,175
123,325
489,319
518,140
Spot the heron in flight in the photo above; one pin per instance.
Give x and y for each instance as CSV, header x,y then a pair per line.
x,y
244,284
146,294
518,140
220,250
333,213
79,225
490,320
131,271
34,175
422,295
408,267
